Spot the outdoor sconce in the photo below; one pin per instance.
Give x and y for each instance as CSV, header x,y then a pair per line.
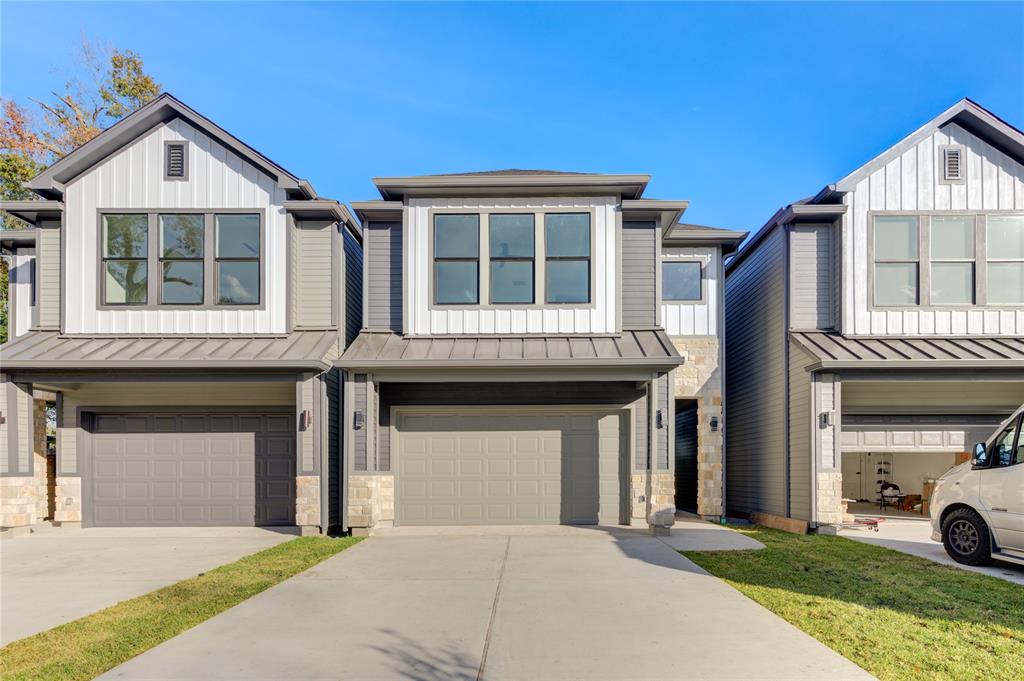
x,y
826,418
659,419
714,424
305,419
358,418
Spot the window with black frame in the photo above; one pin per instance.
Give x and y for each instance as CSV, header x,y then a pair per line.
x,y
511,249
125,253
567,257
457,259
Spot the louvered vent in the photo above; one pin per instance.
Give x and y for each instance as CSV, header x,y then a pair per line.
x,y
952,162
175,159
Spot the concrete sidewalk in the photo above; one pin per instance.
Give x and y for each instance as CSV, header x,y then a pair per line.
x,y
497,604
62,574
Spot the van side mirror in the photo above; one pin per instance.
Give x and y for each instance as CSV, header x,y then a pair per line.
x,y
980,457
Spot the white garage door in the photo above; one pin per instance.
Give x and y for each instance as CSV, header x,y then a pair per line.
x,y
507,466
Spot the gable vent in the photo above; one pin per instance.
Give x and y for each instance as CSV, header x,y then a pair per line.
x,y
952,163
175,160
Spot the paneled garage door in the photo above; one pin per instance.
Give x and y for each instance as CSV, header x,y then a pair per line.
x,y
192,469
501,466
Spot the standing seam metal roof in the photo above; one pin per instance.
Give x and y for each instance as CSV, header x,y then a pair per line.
x,y
836,350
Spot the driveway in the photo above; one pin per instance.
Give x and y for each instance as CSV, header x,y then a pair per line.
x,y
62,574
915,537
498,604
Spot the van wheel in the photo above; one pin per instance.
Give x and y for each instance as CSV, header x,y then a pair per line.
x,y
966,537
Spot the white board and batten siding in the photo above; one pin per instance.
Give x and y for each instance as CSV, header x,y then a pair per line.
x,y
133,179
599,317
912,182
696,318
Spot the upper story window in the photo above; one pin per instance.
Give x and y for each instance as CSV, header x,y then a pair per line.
x,y
512,254
492,258
567,253
936,260
457,259
681,281
181,259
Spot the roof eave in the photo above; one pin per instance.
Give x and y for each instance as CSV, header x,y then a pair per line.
x,y
915,364
793,213
398,188
33,211
368,211
322,365
578,363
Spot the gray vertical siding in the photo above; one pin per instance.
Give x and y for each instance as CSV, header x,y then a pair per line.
x,y
48,272
313,299
639,274
332,381
801,431
812,280
755,380
359,453
353,286
384,276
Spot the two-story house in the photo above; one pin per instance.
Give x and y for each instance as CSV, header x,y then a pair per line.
x,y
180,299
526,335
876,330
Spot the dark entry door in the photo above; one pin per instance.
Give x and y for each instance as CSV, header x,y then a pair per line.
x,y
686,455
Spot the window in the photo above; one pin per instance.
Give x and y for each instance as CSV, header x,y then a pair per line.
x,y
238,259
952,260
125,259
511,248
567,254
1005,259
1001,453
175,161
181,258
681,280
457,259
896,259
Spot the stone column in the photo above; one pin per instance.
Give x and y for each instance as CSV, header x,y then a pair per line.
x,y
700,378
69,501
307,503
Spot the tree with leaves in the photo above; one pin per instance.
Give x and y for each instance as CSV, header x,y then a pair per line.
x,y
108,84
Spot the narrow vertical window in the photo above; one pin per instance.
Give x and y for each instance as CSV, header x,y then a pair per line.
x,y
181,259
952,260
567,256
896,260
237,263
457,259
125,251
1005,259
511,248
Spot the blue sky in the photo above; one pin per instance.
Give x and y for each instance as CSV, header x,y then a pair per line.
x,y
739,108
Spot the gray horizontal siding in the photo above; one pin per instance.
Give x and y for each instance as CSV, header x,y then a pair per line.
x,y
506,394
812,277
353,286
332,381
664,399
384,276
800,433
755,375
639,273
359,449
314,285
48,271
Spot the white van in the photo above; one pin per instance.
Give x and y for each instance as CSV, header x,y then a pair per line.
x,y
977,508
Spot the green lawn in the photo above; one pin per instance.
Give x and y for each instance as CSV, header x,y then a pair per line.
x,y
895,615
91,645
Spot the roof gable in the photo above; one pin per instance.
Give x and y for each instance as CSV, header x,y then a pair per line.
x,y
50,182
969,115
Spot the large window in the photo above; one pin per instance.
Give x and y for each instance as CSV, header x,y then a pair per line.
x,y
1005,259
567,254
681,281
182,244
125,254
897,260
238,259
952,260
196,258
512,256
457,259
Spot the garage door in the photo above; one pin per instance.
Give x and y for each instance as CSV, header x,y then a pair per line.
x,y
507,467
192,469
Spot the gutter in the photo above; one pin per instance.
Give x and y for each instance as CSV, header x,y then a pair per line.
x,y
668,364
918,364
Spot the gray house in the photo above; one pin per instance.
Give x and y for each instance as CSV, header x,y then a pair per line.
x,y
180,299
876,330
537,347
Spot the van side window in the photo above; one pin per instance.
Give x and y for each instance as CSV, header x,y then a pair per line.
x,y
1002,450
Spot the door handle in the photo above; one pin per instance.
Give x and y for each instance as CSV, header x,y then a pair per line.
x,y
999,509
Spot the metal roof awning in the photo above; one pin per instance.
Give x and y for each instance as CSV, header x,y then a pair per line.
x,y
835,351
48,350
636,348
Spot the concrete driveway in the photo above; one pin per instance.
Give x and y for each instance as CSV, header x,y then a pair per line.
x,y
498,604
62,574
915,537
